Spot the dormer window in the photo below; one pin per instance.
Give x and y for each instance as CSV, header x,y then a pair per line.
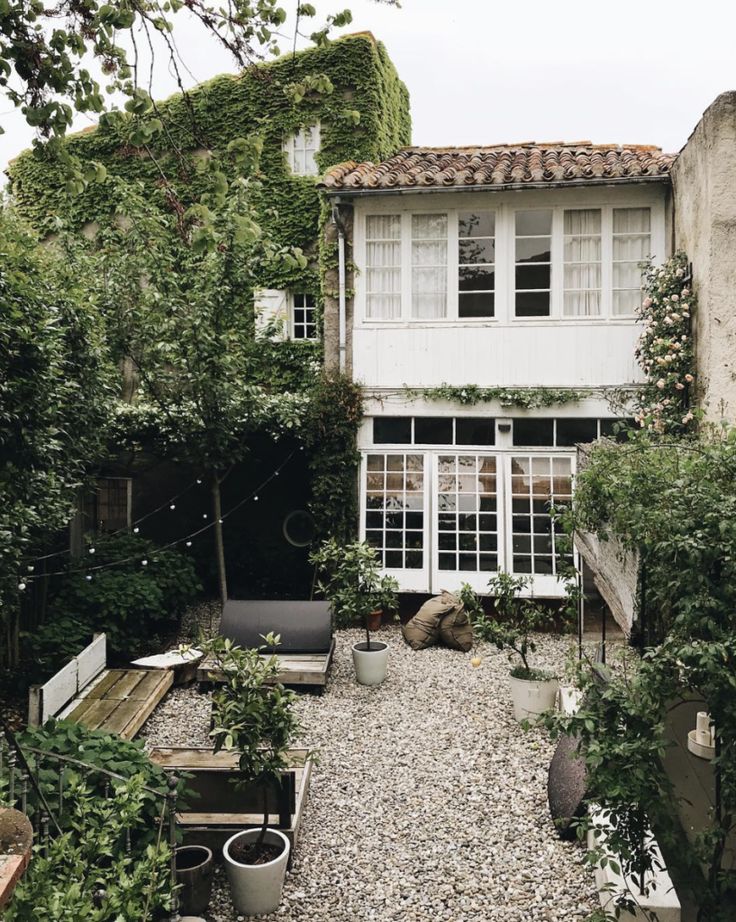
x,y
300,149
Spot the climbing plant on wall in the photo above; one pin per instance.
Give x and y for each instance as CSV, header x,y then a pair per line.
x,y
665,350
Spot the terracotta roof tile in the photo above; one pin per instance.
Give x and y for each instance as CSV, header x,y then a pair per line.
x,y
528,163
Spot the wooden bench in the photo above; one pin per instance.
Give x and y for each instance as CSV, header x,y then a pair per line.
x,y
85,691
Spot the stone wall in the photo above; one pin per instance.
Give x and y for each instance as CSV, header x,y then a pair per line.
x,y
704,190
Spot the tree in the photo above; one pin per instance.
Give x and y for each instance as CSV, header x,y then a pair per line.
x,y
178,302
55,403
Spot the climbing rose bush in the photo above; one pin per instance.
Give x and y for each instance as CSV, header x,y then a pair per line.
x,y
665,350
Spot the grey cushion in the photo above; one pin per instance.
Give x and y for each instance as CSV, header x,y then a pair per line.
x,y
305,627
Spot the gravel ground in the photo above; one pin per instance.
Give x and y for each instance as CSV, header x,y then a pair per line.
x,y
429,800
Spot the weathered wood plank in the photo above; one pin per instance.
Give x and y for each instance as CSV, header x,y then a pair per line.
x,y
166,680
93,713
126,684
105,683
59,689
199,757
148,685
91,661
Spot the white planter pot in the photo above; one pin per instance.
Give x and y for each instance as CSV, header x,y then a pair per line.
x,y
532,698
370,665
570,699
256,888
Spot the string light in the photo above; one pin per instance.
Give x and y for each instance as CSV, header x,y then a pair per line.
x,y
144,563
188,543
172,506
136,530
30,568
91,550
21,586
88,577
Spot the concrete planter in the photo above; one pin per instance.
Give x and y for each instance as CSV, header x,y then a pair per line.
x,y
370,665
532,697
256,888
194,873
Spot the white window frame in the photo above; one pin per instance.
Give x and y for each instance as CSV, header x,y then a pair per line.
x,y
293,295
505,208
297,141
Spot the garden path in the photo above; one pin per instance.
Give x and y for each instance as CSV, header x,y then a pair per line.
x,y
429,800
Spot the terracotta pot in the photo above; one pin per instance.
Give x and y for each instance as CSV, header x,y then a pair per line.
x,y
373,621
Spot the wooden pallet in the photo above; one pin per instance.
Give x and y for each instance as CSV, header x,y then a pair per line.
x,y
121,701
295,669
213,828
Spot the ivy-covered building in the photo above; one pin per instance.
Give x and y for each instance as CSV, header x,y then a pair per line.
x,y
364,114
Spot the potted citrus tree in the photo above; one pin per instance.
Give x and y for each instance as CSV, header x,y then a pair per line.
x,y
351,580
253,715
515,618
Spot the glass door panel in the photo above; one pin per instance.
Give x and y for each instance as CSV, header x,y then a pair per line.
x,y
466,521
395,519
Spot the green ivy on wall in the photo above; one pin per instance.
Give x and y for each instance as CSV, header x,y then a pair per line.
x,y
528,398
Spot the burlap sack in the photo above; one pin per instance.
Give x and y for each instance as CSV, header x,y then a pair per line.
x,y
424,628
456,631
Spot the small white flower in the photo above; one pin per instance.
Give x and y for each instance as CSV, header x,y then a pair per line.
x,y
675,297
660,383
689,378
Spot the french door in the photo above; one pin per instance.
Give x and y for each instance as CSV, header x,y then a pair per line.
x,y
438,519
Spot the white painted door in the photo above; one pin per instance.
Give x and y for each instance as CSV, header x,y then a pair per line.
x,y
468,502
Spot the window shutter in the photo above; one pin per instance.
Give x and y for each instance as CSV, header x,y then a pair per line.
x,y
272,314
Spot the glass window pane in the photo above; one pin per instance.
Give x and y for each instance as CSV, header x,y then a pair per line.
x,y
383,227
433,430
476,223
476,278
631,220
429,226
536,249
533,432
631,248
532,277
583,221
476,251
626,302
475,431
573,431
532,304
627,275
533,223
476,304
394,430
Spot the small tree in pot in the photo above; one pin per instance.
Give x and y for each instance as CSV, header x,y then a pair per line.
x,y
515,619
253,715
351,580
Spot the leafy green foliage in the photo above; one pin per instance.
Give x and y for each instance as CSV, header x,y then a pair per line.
x,y
131,602
515,619
528,398
55,394
674,503
350,578
665,349
252,713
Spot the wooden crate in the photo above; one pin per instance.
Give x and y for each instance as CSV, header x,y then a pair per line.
x,y
222,810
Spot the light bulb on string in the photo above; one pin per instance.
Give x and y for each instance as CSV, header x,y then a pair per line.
x,y
255,498
30,568
204,515
136,530
199,480
21,586
189,543
172,506
91,550
144,563
88,577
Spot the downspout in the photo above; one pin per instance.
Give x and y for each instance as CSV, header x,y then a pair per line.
x,y
341,293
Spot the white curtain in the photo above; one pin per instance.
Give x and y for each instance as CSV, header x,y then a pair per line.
x,y
582,277
631,246
383,267
429,266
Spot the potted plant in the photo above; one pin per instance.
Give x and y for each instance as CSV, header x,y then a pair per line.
x,y
533,691
351,581
253,715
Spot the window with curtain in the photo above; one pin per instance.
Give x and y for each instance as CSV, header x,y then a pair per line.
x,y
301,148
429,266
632,243
476,263
533,273
582,263
383,267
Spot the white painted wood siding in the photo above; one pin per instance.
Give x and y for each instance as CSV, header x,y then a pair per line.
x,y
520,355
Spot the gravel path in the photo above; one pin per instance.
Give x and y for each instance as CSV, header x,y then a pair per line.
x,y
429,801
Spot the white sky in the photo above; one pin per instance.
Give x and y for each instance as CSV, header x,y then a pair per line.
x,y
483,71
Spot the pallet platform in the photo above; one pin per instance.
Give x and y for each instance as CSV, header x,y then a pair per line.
x,y
121,701
295,669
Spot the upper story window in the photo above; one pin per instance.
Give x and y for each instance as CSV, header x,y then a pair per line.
x,y
476,257
429,266
530,264
301,148
303,316
107,507
533,271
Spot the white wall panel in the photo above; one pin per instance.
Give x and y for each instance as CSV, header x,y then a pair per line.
x,y
522,355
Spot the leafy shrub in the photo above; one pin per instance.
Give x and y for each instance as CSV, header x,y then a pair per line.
x,y
132,603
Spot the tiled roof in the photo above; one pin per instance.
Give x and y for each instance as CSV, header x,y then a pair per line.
x,y
506,165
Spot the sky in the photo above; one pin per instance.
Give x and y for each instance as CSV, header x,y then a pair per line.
x,y
485,72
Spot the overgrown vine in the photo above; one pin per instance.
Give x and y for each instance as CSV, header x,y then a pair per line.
x,y
528,398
